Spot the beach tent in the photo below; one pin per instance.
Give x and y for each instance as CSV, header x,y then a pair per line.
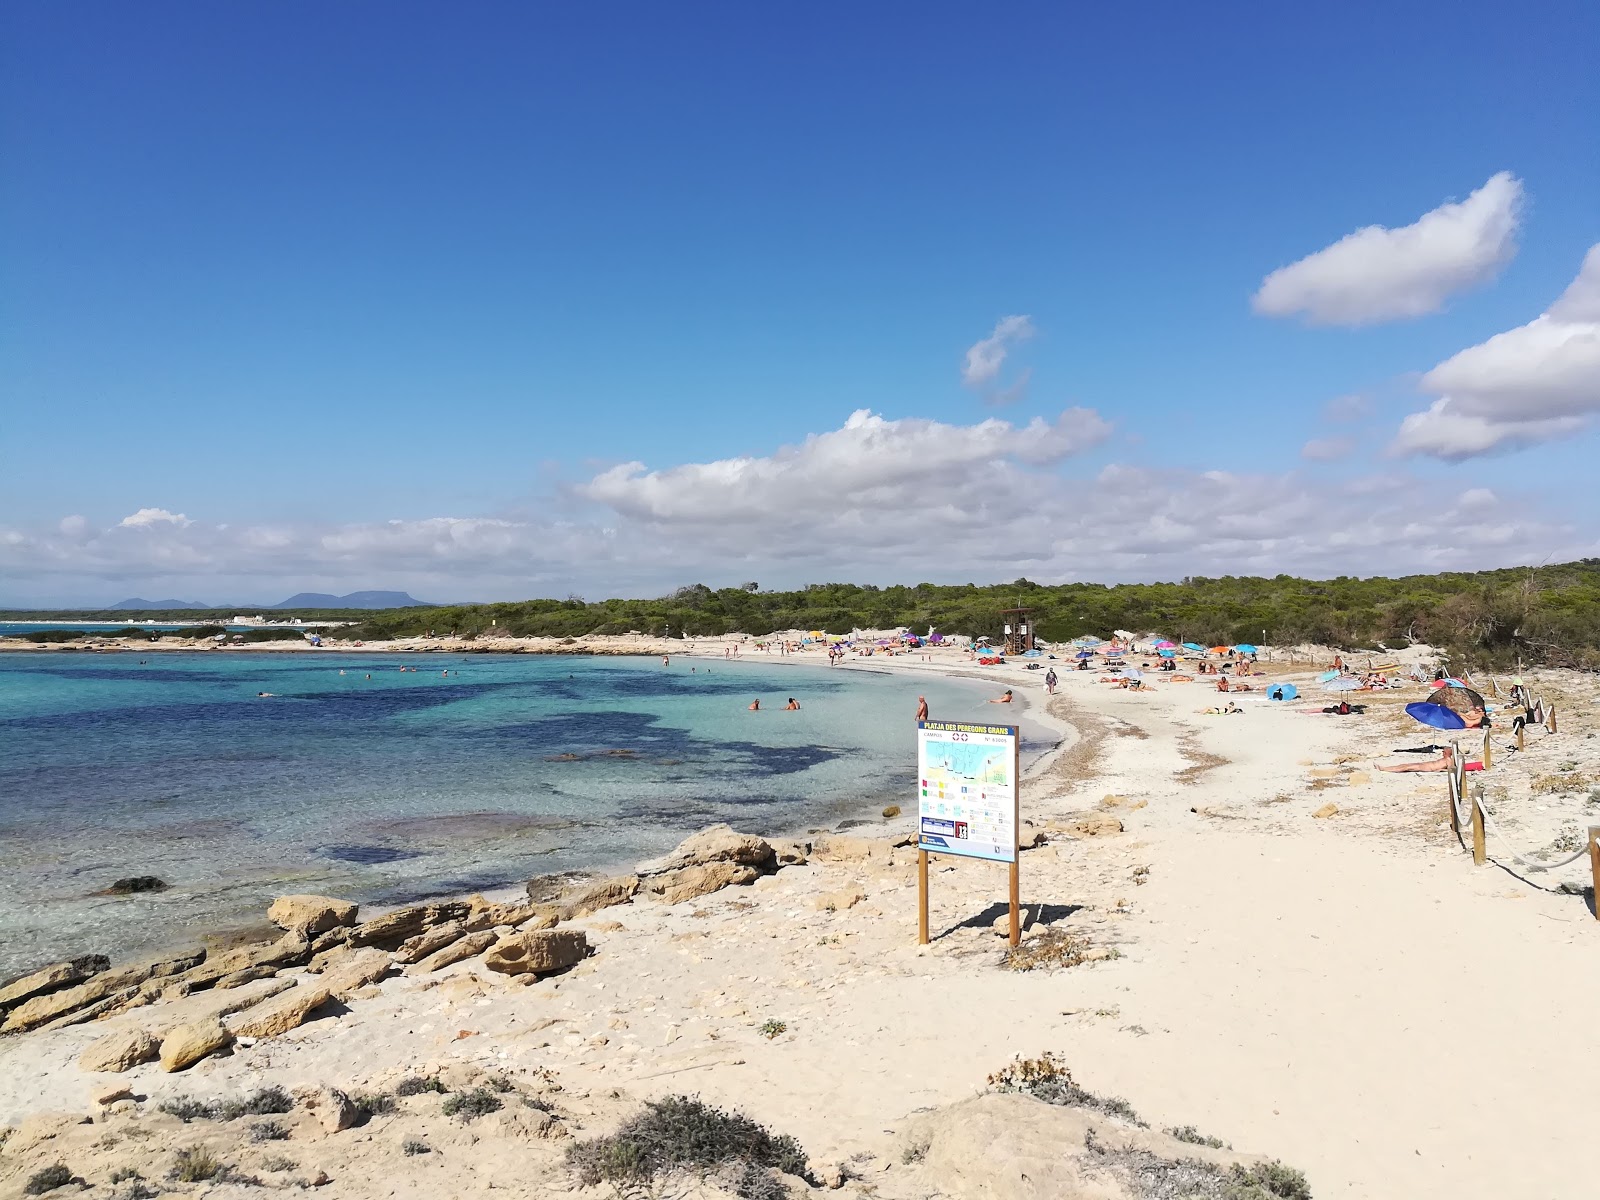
x,y
1282,691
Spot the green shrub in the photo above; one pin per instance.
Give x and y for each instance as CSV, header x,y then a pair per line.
x,y
1188,1133
195,1165
412,1147
415,1085
279,1163
1048,1079
1268,1181
186,1108
262,1102
122,1174
469,1106
47,1180
269,1131
683,1131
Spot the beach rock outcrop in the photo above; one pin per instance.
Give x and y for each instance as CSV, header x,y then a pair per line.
x,y
413,949
51,978
486,915
120,1051
361,969
333,1109
307,915
537,951
279,1015
111,985
395,927
291,950
135,884
602,893
843,848
188,1044
462,948
690,883
716,844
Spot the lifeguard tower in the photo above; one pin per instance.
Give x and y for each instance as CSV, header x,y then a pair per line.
x,y
1018,629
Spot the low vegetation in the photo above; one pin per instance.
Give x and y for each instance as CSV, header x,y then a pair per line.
x,y
415,1085
413,1146
1053,948
1047,1078
195,1164
262,1102
682,1133
47,1180
1188,1133
373,1104
269,1131
772,1028
469,1106
1151,1177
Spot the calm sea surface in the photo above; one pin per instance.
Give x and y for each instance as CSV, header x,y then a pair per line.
x,y
362,780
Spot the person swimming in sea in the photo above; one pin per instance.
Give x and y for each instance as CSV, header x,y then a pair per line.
x,y
755,706
1004,698
792,706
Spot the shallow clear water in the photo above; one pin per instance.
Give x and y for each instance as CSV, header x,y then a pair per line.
x,y
362,780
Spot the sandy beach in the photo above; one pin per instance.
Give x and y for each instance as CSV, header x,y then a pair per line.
x,y
1345,993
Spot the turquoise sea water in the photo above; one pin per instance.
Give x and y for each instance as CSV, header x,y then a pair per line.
x,y
358,779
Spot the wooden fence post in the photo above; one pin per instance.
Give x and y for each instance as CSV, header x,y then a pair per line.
x,y
1594,865
1522,736
1550,720
1488,749
1480,849
1455,801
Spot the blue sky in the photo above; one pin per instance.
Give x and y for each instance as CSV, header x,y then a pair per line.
x,y
388,294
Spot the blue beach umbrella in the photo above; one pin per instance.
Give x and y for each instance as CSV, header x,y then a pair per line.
x,y
1167,653
1326,676
1195,648
1085,654
1245,648
1282,691
1436,715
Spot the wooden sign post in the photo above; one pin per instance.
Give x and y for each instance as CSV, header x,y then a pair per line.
x,y
1594,865
968,803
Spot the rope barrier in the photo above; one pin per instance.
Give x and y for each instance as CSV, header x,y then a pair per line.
x,y
1530,863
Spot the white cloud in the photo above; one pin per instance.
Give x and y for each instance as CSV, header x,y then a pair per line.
x,y
147,517
1531,384
876,500
74,527
1327,449
985,357
842,475
1379,274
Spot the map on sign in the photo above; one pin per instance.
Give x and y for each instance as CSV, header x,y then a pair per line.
x,y
967,789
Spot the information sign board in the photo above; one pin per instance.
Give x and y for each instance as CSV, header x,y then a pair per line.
x,y
967,789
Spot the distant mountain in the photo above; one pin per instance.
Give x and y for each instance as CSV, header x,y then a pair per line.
x,y
353,600
151,605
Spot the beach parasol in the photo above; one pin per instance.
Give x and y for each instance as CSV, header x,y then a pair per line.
x,y
1196,647
1219,649
1084,654
1133,673
1282,691
1167,653
1163,644
1326,676
1347,684
1245,648
1436,715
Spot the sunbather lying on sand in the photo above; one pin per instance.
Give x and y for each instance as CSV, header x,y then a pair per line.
x,y
1442,763
1226,710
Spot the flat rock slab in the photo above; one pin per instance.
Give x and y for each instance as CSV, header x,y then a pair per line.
x,y
537,951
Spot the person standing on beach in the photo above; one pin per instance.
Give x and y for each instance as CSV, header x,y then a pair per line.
x,y
922,708
1050,681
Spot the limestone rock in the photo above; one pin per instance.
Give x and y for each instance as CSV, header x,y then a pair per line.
x,y
393,928
281,1013
1358,778
465,947
602,893
425,943
120,1051
119,983
717,844
1326,811
537,951
1081,825
485,915
48,979
362,969
792,853
245,975
188,1044
838,901
334,1110
110,1093
311,914
689,883
291,950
